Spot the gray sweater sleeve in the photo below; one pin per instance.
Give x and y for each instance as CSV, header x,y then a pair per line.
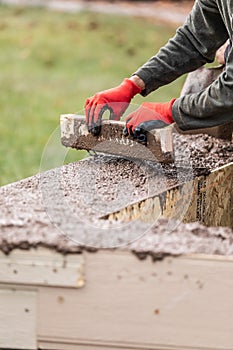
x,y
194,45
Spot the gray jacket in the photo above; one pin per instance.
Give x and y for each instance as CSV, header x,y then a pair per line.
x,y
207,27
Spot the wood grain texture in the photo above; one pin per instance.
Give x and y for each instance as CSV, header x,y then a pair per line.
x,y
206,199
18,318
178,303
174,304
41,267
212,200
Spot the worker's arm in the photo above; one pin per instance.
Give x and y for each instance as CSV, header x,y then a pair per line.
x,y
194,44
210,107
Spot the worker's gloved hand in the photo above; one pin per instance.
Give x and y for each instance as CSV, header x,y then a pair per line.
x,y
148,117
115,100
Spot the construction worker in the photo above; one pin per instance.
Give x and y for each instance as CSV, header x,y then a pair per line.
x,y
206,28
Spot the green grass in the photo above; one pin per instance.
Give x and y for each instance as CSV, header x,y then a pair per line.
x,y
51,62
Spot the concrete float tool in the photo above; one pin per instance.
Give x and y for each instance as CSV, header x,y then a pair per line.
x,y
159,147
74,133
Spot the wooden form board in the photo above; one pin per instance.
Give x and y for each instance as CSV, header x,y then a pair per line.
x,y
206,199
18,318
174,304
42,267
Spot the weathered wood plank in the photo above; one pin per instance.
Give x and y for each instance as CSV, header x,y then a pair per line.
x,y
125,304
42,267
18,318
178,303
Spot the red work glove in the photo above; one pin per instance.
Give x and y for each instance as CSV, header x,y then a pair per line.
x,y
116,100
147,117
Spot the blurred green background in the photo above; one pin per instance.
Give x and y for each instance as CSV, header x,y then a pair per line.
x,y
51,62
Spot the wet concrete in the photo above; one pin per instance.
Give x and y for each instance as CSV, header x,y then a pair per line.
x,y
39,211
185,239
203,153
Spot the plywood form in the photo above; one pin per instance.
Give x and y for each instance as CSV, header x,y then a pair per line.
x,y
177,303
206,199
212,200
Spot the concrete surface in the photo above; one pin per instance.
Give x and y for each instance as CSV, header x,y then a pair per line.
x,y
56,210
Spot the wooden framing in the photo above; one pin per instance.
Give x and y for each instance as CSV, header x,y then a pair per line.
x,y
125,303
206,199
